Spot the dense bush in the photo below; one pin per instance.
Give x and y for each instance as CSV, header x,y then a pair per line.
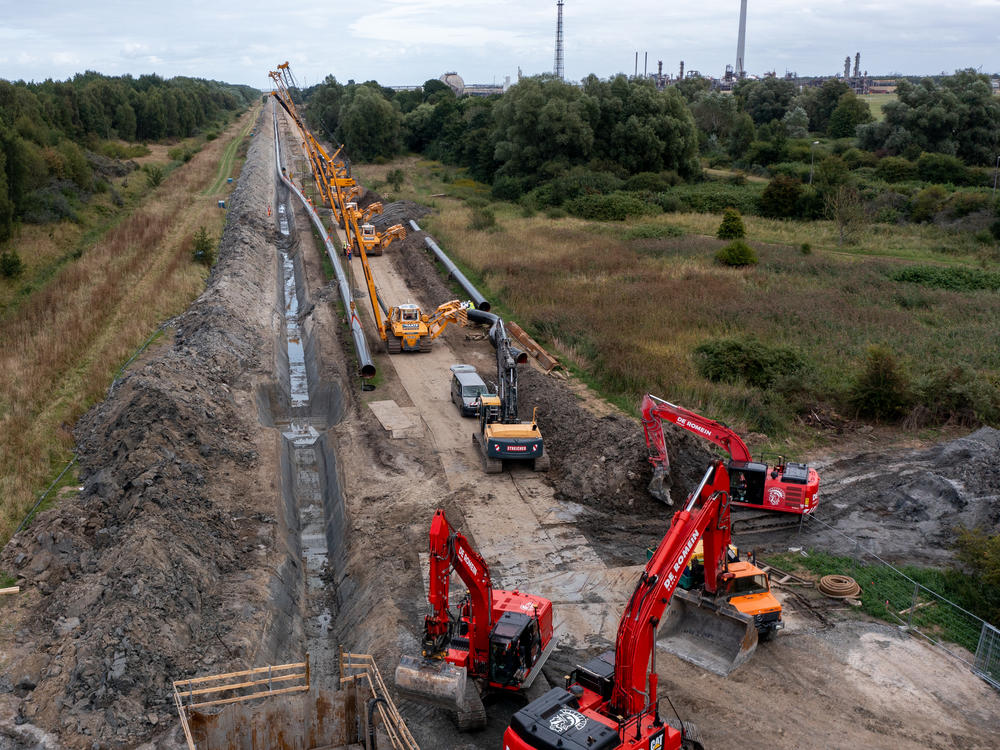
x,y
482,219
881,390
750,362
731,227
715,197
895,169
941,168
948,277
11,265
653,232
737,253
614,207
781,198
655,182
955,394
203,247
927,203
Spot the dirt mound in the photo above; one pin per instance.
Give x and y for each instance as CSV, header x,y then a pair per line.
x,y
157,569
398,212
906,508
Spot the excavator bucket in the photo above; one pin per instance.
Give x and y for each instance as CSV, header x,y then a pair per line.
x,y
659,486
431,681
716,639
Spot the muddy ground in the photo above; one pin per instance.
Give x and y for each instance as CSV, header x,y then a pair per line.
x,y
179,558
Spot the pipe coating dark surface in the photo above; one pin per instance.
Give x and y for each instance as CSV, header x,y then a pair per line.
x,y
481,302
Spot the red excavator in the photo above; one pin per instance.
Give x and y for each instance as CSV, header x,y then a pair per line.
x,y
611,702
495,640
783,486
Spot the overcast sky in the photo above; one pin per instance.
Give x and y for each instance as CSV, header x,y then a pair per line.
x,y
402,42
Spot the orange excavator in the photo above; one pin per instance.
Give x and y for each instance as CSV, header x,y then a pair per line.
x,y
494,641
782,486
612,701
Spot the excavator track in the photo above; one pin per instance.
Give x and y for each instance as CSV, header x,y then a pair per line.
x,y
426,343
754,522
393,345
471,716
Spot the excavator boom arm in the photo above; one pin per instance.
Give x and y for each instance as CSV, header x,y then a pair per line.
x,y
450,550
656,409
706,518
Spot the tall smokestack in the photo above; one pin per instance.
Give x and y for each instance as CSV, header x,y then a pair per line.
x,y
857,64
559,41
741,41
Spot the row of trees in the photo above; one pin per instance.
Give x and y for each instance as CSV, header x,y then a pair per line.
x,y
543,127
49,130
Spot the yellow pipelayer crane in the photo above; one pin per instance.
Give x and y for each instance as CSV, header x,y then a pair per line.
x,y
373,242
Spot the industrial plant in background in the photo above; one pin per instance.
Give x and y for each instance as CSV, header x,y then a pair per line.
x,y
860,83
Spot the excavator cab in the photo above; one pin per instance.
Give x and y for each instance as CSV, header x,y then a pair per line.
x,y
515,645
747,480
368,235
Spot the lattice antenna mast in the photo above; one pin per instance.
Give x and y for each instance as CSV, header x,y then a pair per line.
x,y
559,41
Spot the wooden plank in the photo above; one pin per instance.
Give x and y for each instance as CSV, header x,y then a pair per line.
x,y
236,699
11,590
244,673
252,683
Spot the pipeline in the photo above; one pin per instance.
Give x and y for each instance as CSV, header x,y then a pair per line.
x,y
360,343
479,299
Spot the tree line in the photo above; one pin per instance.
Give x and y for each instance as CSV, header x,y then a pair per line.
x,y
52,132
550,143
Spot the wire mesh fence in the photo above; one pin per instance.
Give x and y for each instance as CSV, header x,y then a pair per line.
x,y
891,595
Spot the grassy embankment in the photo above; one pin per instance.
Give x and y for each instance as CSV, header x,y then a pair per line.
x,y
92,292
627,303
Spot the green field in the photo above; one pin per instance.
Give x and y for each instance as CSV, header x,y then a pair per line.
x,y
877,102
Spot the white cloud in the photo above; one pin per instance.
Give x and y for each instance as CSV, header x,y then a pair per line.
x,y
408,41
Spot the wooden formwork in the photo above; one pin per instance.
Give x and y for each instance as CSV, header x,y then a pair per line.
x,y
361,669
236,687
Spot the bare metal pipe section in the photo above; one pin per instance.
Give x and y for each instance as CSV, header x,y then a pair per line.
x,y
360,343
474,295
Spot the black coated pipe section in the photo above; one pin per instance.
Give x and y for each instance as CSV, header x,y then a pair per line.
x,y
372,737
479,299
497,329
357,332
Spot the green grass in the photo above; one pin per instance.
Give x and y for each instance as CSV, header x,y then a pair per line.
x,y
877,103
625,305
887,595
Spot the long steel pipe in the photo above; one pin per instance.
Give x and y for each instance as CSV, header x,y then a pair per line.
x,y
360,343
481,302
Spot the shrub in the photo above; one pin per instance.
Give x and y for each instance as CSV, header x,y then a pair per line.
x,y
506,188
737,253
653,232
614,207
750,362
780,199
956,394
731,227
927,203
855,157
806,248
203,250
395,178
655,182
11,265
961,204
154,175
881,390
483,219
714,197
895,169
671,203
955,279
941,168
